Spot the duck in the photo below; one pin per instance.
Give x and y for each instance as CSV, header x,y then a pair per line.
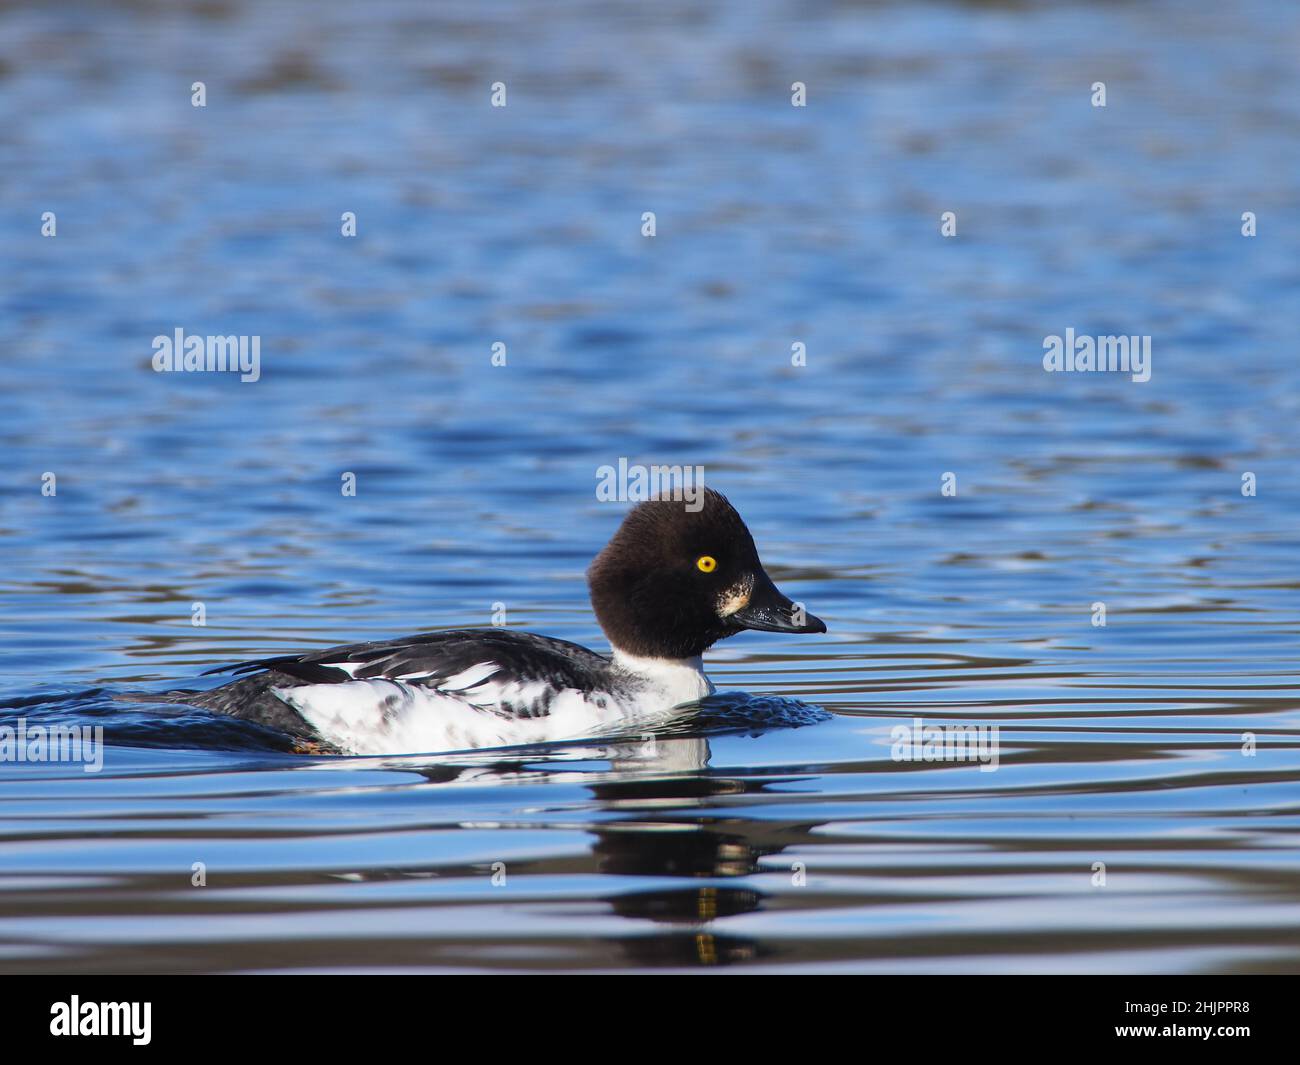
x,y
676,577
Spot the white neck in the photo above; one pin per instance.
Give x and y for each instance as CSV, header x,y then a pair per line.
x,y
681,680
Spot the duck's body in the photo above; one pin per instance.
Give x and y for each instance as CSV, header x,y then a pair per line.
x,y
668,585
447,691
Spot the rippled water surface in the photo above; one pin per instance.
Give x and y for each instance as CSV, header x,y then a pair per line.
x,y
1164,746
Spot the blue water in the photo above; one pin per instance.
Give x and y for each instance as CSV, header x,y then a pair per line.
x,y
750,843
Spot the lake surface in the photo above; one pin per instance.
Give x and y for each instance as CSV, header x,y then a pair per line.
x,y
1160,751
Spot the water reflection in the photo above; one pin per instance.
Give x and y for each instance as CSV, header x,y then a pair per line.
x,y
665,824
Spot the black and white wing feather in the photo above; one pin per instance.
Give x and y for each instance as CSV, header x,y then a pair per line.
x,y
472,683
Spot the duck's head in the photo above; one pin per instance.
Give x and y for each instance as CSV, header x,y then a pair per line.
x,y
673,581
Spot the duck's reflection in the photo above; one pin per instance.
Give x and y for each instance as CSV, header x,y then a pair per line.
x,y
675,827
672,822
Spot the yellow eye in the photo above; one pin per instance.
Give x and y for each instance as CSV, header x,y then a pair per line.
x,y
706,563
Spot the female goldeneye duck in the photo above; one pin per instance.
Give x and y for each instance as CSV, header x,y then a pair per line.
x,y
671,583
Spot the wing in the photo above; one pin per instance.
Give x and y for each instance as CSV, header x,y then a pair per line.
x,y
513,674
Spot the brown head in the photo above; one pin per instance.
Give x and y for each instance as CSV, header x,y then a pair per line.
x,y
672,582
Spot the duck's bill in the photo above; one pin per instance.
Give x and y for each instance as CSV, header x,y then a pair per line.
x,y
770,611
